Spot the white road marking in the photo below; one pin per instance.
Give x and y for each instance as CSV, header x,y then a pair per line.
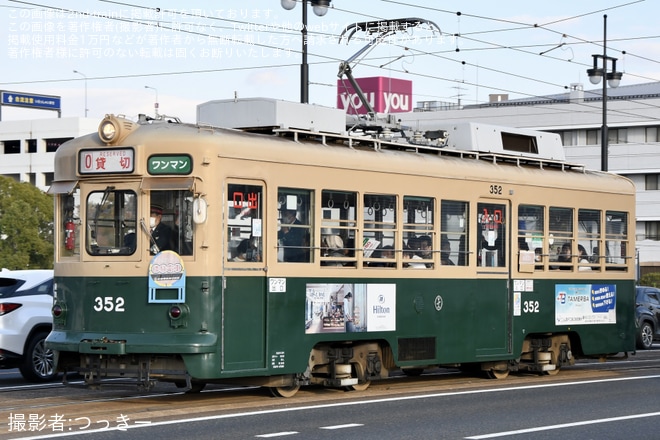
x,y
561,426
276,434
348,425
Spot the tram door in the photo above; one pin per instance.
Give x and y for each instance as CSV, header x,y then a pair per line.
x,y
244,282
492,300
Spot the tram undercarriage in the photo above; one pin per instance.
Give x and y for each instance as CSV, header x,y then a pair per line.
x,y
334,365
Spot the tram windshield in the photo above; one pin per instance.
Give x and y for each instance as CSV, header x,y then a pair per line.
x,y
111,222
112,226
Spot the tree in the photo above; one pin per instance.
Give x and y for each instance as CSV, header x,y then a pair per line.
x,y
26,226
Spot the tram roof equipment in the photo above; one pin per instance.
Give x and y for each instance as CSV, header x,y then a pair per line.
x,y
305,121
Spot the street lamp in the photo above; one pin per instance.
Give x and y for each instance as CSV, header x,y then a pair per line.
x,y
155,103
613,78
320,8
84,76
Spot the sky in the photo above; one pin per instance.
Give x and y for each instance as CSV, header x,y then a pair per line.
x,y
131,54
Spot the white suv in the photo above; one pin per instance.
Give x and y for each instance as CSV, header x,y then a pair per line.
x,y
26,299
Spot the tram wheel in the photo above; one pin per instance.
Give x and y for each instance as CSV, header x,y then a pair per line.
x,y
551,372
554,360
360,386
284,391
363,382
498,374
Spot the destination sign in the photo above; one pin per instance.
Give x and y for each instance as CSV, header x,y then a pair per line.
x,y
106,161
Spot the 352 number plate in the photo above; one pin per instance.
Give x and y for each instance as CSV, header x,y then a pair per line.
x,y
109,304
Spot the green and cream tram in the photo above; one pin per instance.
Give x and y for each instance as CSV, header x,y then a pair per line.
x,y
298,255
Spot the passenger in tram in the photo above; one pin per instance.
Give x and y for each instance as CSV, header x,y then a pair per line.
x,y
292,239
386,251
241,251
333,246
161,234
584,258
349,251
538,258
445,250
565,256
425,249
410,254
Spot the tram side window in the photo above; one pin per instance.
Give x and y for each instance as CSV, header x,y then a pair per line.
x,y
491,218
530,234
244,223
110,222
454,229
294,236
561,238
420,247
379,230
616,241
589,239
69,206
338,228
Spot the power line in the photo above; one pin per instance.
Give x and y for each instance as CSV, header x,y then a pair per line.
x,y
328,59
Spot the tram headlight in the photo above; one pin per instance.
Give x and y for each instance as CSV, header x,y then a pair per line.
x,y
113,129
108,130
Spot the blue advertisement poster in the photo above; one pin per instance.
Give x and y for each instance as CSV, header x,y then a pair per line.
x,y
577,304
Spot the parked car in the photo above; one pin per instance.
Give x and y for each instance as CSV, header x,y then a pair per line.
x,y
647,313
26,299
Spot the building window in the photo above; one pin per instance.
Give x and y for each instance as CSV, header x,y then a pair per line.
x,y
652,231
593,137
617,135
53,144
652,182
31,145
568,137
12,147
651,134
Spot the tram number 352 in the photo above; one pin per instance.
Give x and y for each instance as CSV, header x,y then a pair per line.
x,y
530,306
109,304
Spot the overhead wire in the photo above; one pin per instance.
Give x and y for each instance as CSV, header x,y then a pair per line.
x,y
328,59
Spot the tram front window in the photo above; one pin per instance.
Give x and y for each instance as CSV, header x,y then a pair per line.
x,y
175,209
111,225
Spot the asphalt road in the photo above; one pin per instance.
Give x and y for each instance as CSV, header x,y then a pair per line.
x,y
591,400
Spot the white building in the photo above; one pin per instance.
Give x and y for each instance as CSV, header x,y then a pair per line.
x,y
28,147
633,120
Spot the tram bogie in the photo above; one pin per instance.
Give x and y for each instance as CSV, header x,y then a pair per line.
x,y
301,258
